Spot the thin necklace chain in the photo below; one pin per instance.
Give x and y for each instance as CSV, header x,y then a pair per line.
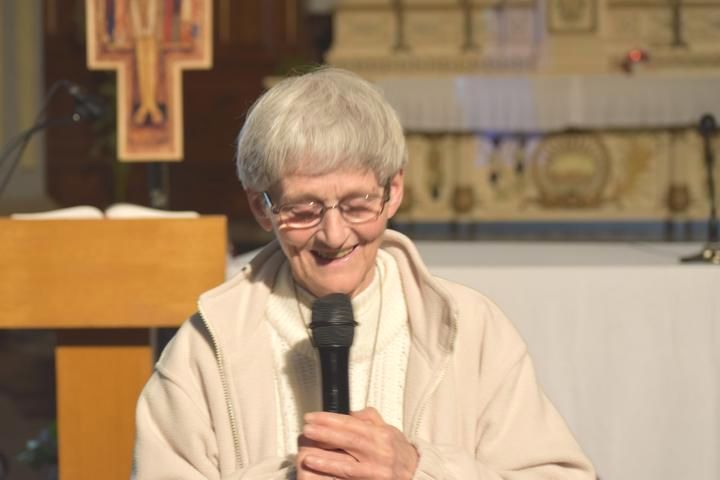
x,y
377,329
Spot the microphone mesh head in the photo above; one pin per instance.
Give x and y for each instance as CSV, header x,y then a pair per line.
x,y
707,124
333,323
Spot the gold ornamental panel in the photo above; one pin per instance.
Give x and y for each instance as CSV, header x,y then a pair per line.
x,y
571,170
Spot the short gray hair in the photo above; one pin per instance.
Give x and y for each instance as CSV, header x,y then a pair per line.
x,y
326,120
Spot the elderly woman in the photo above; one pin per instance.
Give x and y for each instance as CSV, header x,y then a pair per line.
x,y
441,385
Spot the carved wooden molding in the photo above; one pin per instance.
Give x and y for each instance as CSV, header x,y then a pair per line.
x,y
424,7
660,4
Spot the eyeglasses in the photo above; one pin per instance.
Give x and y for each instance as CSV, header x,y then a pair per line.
x,y
354,209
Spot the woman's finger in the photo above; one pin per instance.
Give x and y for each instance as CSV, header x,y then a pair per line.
x,y
342,467
338,437
307,472
369,414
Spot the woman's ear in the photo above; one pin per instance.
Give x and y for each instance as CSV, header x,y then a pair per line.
x,y
396,193
258,209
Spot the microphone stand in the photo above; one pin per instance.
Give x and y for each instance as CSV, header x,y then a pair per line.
x,y
20,142
84,109
711,251
158,185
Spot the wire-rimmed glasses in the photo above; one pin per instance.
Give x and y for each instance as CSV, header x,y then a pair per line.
x,y
354,209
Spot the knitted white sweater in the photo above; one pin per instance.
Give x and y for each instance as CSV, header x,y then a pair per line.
x,y
382,333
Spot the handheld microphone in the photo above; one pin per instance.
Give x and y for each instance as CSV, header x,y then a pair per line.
x,y
333,329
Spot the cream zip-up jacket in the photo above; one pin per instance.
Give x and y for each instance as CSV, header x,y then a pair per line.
x,y
473,407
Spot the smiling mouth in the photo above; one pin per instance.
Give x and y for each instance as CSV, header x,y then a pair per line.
x,y
334,255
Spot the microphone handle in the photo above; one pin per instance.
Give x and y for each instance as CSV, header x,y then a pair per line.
x,y
335,389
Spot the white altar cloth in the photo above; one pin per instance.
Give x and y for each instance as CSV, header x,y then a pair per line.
x,y
626,342
546,103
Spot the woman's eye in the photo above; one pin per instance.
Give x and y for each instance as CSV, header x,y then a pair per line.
x,y
356,202
359,203
302,210
357,208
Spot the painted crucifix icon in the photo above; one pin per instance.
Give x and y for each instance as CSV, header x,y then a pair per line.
x,y
149,43
146,60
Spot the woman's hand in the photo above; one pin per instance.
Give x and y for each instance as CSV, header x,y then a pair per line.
x,y
356,446
307,447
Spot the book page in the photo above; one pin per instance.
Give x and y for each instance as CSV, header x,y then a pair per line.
x,y
78,212
129,210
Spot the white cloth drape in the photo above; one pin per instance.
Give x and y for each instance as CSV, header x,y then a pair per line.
x,y
543,103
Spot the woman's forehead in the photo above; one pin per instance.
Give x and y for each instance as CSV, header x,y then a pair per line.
x,y
337,183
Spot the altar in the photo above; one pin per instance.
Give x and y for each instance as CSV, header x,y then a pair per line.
x,y
625,340
555,148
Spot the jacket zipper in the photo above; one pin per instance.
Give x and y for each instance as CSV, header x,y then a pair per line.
x,y
226,389
426,399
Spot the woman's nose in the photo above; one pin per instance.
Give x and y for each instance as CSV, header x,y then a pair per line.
x,y
333,228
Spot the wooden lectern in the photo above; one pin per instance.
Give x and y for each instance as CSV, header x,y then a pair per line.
x,y
102,284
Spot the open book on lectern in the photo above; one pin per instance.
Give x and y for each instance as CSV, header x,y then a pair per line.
x,y
115,211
